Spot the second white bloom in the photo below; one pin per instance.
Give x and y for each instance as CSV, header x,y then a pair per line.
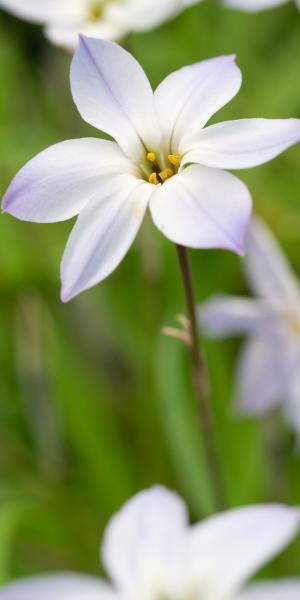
x,y
150,552
109,19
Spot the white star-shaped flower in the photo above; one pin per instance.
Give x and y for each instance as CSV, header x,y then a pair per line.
x,y
163,158
151,553
108,19
268,372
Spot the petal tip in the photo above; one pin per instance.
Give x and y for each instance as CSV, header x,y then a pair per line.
x,y
237,245
84,38
240,250
8,205
66,297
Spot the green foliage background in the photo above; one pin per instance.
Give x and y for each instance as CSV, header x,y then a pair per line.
x,y
95,403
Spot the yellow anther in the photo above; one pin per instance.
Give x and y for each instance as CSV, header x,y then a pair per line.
x,y
151,157
153,179
95,10
166,174
173,159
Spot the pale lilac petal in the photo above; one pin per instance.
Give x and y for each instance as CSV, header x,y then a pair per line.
x,y
280,589
203,208
63,586
186,99
259,384
243,143
228,548
113,94
39,11
268,372
227,315
140,539
58,182
291,403
289,357
267,269
104,231
253,5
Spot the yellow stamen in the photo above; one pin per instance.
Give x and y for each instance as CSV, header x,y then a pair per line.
x,y
95,10
173,159
151,157
166,174
153,179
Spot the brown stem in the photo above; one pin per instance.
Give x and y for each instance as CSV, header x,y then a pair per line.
x,y
201,384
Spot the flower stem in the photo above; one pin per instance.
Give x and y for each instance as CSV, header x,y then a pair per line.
x,y
201,384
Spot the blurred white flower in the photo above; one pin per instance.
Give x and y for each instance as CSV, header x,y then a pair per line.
x,y
150,552
164,158
255,5
268,370
107,19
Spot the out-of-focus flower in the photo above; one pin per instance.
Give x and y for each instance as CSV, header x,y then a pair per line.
x,y
285,589
151,552
164,158
107,19
255,5
268,370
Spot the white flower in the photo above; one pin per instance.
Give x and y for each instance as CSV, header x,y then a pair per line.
x,y
255,5
108,19
164,158
151,553
268,369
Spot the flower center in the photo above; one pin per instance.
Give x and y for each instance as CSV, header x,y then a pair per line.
x,y
95,10
160,175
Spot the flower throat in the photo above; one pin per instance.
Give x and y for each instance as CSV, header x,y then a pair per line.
x,y
159,175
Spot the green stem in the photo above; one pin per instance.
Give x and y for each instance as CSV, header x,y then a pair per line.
x,y
201,383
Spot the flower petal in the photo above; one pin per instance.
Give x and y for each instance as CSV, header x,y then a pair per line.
x,y
259,385
186,99
140,539
253,5
226,549
225,315
267,269
288,345
58,182
187,3
104,231
203,208
66,35
113,94
138,15
243,143
42,11
63,586
280,589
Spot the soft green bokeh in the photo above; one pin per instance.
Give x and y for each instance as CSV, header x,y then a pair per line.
x,y
95,403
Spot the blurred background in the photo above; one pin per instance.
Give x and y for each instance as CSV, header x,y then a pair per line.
x,y
95,403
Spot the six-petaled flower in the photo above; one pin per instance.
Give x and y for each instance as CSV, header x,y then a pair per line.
x,y
163,158
150,552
